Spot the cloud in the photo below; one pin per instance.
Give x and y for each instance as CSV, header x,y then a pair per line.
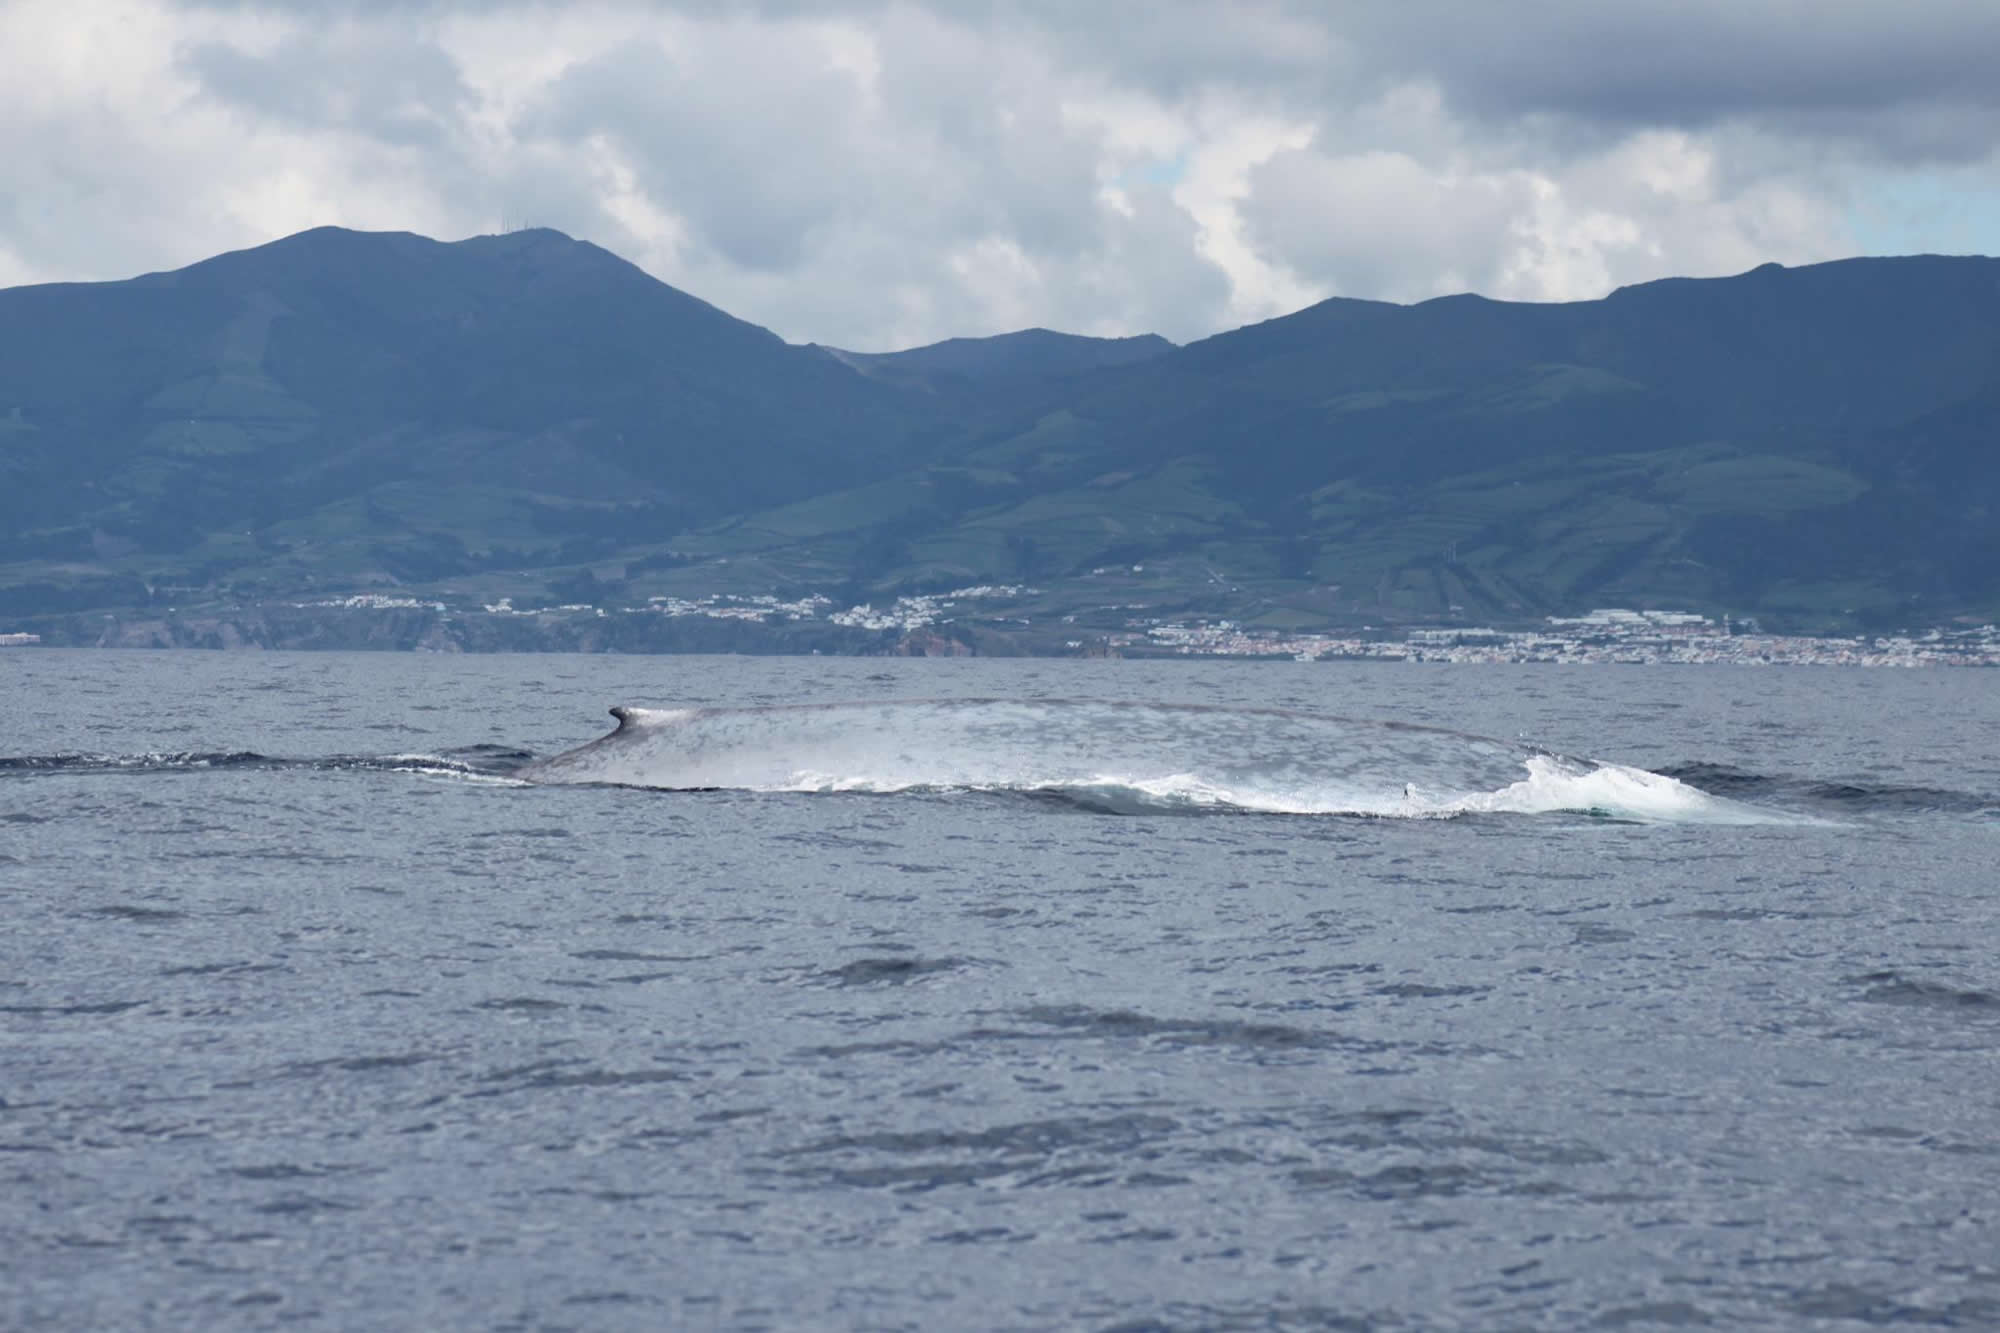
x,y
1409,225
874,173
904,181
1853,68
371,81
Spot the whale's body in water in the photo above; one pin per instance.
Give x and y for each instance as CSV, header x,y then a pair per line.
x,y
1129,757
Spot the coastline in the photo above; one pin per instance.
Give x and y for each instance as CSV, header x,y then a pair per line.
x,y
778,629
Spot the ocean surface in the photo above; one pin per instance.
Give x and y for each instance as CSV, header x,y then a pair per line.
x,y
346,992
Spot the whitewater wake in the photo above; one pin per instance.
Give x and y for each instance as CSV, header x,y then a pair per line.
x,y
1126,758
485,763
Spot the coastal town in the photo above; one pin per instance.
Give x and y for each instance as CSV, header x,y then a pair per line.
x,y
1605,636
1000,619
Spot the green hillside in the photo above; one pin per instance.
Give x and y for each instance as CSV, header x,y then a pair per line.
x,y
344,408
528,416
1815,445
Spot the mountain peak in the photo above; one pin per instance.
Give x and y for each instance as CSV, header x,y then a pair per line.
x,y
378,405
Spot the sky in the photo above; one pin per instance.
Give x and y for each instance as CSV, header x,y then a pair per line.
x,y
878,175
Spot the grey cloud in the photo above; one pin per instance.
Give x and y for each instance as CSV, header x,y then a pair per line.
x,y
1854,67
1391,226
1380,225
956,188
765,151
82,201
825,208
381,84
869,289
754,162
1172,47
1847,67
1671,58
1145,276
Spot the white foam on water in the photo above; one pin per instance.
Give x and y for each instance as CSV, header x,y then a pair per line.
x,y
463,775
1553,786
1127,757
1556,785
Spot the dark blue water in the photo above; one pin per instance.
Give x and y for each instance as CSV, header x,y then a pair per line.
x,y
1005,995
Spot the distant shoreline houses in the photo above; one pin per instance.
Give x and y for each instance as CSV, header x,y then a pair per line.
x,y
1608,636
1006,620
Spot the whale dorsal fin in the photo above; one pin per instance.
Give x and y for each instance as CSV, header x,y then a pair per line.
x,y
647,719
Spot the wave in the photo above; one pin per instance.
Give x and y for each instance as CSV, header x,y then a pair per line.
x,y
483,761
1832,796
1891,987
1126,758
1103,757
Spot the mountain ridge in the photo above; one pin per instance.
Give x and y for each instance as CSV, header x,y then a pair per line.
x,y
528,415
1023,353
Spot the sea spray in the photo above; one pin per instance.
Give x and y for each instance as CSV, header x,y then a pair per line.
x,y
1124,757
